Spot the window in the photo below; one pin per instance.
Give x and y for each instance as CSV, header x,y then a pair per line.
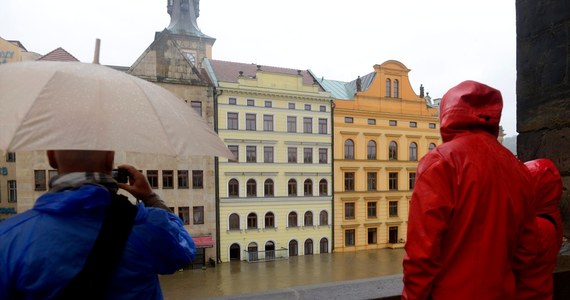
x,y
269,220
431,125
233,188
234,149
307,125
12,191
412,180
372,236
349,210
308,221
323,155
251,154
307,106
197,179
349,181
292,219
348,120
371,181
268,103
413,151
348,149
393,209
371,121
232,121
349,237
252,221
267,122
268,188
232,101
52,174
197,106
324,218
393,123
322,108
182,179
308,187
396,88
372,209
167,179
413,124
268,154
198,214
250,122
11,157
293,248
251,188
184,214
393,234
371,150
323,187
292,155
40,180
234,222
291,124
393,151
308,155
292,187
291,105
324,245
152,176
250,102
323,129
393,181
388,88
431,146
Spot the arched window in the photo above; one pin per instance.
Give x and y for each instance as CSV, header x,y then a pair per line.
x,y
413,151
234,221
393,151
371,155
292,187
251,221
308,221
292,219
308,247
388,88
251,188
308,187
323,187
269,250
396,88
269,220
324,218
324,245
431,146
268,188
348,149
252,251
233,188
293,248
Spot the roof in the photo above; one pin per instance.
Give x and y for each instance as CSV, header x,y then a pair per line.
x,y
58,54
226,71
18,44
346,90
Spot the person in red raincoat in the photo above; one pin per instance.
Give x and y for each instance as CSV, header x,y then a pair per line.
x,y
471,227
548,192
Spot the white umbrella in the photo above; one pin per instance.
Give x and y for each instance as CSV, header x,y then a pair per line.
x,y
78,106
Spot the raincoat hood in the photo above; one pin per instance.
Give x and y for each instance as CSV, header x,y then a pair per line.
x,y
547,185
470,106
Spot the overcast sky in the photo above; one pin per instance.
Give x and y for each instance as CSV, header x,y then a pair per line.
x,y
443,42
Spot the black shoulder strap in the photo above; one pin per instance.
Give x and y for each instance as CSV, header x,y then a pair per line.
x,y
91,281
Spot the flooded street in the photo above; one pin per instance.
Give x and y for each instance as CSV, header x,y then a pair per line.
x,y
236,278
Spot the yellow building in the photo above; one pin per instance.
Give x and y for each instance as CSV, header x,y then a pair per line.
x,y
276,199
381,130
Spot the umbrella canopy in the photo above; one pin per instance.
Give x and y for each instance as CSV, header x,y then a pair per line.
x,y
78,106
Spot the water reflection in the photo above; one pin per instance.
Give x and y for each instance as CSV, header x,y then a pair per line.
x,y
241,277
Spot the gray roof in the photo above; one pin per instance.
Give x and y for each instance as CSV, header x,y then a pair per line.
x,y
345,90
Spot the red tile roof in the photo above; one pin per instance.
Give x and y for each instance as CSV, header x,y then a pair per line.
x,y
229,71
58,54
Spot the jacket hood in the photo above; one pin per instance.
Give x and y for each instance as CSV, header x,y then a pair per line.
x,y
547,186
470,106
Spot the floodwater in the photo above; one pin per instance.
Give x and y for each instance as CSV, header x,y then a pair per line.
x,y
235,278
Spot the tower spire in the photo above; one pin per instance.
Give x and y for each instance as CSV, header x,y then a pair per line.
x,y
183,15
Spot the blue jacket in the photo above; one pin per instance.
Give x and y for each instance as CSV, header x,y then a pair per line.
x,y
42,249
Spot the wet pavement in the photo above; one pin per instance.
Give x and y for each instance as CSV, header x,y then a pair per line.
x,y
236,278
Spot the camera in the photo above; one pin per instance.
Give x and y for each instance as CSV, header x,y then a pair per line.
x,y
120,175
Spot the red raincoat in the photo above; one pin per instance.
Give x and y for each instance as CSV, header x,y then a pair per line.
x,y
471,227
548,191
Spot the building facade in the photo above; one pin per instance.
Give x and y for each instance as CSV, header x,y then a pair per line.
x,y
381,130
275,197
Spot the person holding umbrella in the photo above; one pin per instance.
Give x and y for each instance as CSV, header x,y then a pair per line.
x,y
83,239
